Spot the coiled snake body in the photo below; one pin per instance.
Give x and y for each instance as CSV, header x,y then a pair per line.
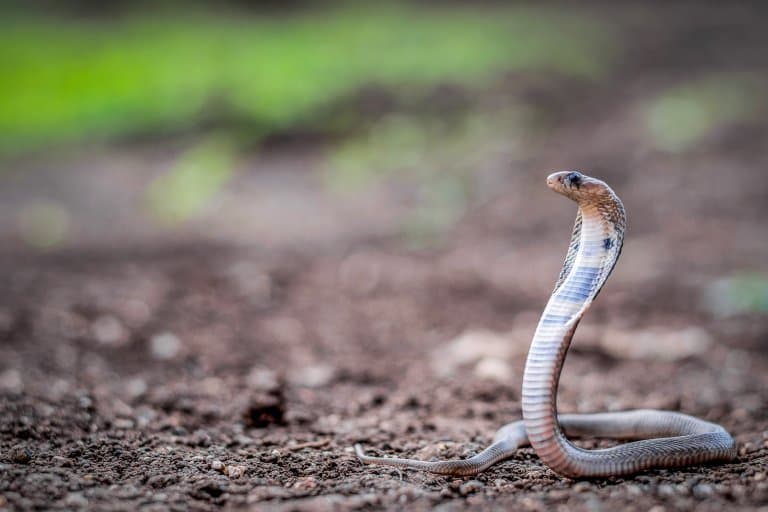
x,y
661,439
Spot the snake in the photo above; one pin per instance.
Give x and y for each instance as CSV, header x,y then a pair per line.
x,y
654,438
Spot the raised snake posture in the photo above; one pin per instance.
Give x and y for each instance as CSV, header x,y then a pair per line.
x,y
662,439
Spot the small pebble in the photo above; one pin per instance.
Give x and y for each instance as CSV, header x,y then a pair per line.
x,y
165,346
85,402
61,461
10,381
494,368
532,504
471,487
747,448
738,491
559,494
108,330
123,424
313,376
262,379
702,491
19,455
135,387
305,484
217,465
76,500
582,487
234,471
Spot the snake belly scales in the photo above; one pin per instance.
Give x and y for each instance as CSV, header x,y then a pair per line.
x,y
660,439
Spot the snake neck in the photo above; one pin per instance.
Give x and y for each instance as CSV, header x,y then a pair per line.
x,y
595,247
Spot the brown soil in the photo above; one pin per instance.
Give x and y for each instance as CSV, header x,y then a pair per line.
x,y
198,374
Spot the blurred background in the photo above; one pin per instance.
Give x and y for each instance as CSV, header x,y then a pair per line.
x,y
284,123
329,205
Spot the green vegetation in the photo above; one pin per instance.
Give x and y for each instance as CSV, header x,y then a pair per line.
x,y
74,81
43,224
439,160
683,115
192,183
742,293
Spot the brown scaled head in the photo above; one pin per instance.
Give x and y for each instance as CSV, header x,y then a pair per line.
x,y
577,186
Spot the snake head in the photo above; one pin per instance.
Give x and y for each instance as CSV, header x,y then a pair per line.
x,y
575,185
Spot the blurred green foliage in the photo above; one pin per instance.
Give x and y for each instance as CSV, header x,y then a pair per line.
x,y
43,224
683,115
438,160
69,80
742,293
193,181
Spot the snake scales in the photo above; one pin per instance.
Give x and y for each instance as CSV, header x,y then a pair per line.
x,y
660,439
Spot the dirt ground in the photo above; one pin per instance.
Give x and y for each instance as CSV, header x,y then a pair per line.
x,y
234,365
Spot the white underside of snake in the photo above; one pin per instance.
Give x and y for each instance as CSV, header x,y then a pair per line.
x,y
660,439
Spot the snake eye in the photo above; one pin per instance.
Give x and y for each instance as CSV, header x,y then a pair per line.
x,y
573,179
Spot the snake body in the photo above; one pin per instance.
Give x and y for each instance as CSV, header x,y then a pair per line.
x,y
660,439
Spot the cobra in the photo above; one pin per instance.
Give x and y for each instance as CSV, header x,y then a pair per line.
x,y
659,439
